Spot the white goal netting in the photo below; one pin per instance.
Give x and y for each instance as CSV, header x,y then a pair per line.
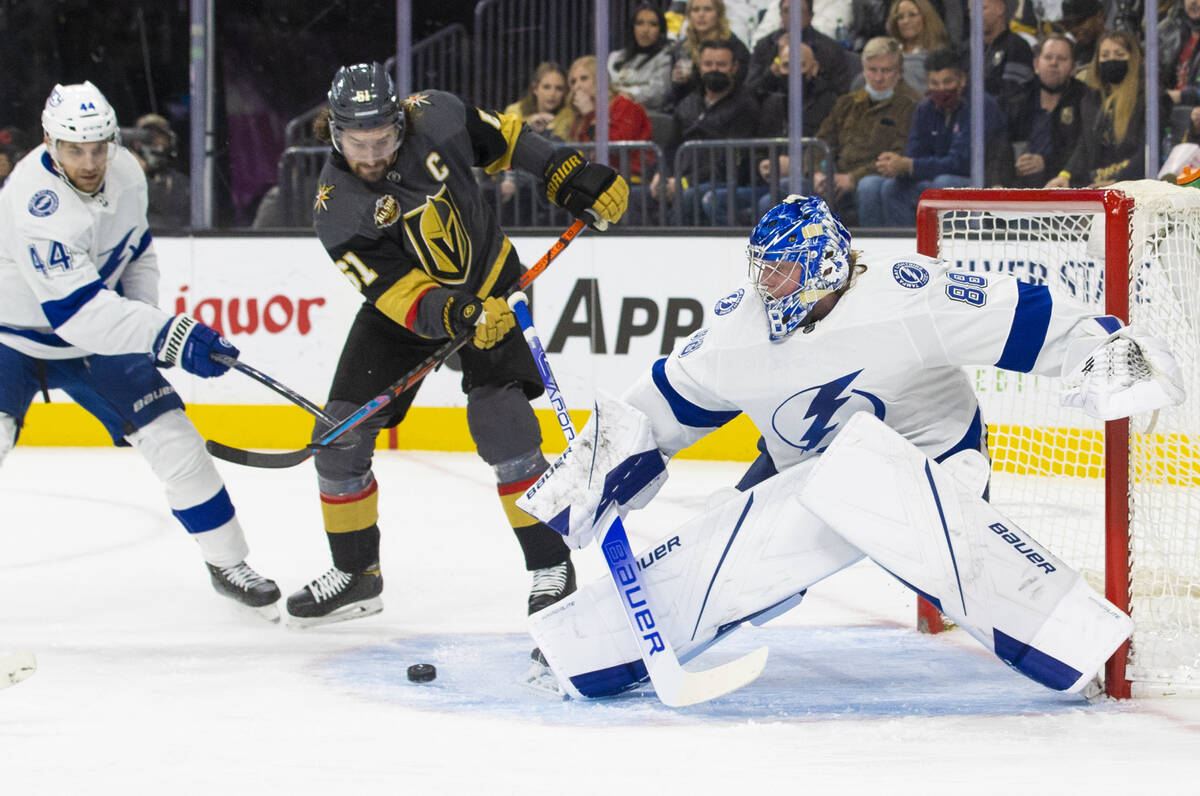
x,y
1048,462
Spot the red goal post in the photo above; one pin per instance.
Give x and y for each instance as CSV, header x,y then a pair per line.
x,y
1051,467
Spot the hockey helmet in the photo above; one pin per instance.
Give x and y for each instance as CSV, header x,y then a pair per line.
x,y
799,253
79,113
363,97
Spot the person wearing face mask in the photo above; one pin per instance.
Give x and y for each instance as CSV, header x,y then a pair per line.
x,y
866,123
1049,117
1112,147
717,109
938,152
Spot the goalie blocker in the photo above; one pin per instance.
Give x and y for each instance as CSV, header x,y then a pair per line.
x,y
754,556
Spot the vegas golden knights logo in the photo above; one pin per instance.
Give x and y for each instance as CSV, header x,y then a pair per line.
x,y
439,237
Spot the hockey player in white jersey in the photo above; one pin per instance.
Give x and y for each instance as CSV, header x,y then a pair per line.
x,y
872,444
79,311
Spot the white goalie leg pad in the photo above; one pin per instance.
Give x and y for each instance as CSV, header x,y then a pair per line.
x,y
613,459
176,454
8,435
749,558
926,528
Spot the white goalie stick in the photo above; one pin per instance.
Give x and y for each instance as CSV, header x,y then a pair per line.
x,y
675,686
16,666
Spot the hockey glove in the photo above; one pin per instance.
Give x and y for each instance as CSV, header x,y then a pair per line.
x,y
491,318
612,461
186,342
1130,372
591,191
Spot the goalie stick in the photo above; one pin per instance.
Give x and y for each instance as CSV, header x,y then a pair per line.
x,y
16,666
674,685
413,377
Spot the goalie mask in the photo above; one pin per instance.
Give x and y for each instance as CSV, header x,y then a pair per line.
x,y
799,253
363,97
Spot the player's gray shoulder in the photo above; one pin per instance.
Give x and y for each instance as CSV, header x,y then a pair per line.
x,y
343,206
434,115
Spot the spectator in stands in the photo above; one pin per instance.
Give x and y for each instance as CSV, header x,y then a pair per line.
x,y
543,106
870,18
1007,59
1112,149
642,71
705,21
938,152
627,121
866,123
767,75
1179,53
152,142
751,201
1046,121
827,16
718,109
1083,20
920,31
13,146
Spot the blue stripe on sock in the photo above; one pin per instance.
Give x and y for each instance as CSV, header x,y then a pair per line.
x,y
212,513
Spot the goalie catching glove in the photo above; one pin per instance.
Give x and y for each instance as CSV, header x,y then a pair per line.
x,y
613,460
491,318
186,342
1130,372
590,191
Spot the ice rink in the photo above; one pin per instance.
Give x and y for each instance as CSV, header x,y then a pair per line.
x,y
148,682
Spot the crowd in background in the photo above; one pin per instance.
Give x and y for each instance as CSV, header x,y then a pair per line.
x,y
884,88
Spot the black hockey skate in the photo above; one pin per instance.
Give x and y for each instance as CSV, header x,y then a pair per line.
x,y
337,596
551,584
243,585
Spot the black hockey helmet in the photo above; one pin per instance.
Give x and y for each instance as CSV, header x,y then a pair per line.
x,y
363,97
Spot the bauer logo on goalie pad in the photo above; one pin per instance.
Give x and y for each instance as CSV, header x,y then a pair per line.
x,y
730,302
910,275
1022,547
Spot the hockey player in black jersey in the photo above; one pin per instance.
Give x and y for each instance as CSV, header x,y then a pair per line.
x,y
398,209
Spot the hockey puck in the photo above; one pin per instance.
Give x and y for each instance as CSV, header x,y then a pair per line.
x,y
421,672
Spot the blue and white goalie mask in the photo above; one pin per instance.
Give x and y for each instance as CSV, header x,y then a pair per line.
x,y
799,253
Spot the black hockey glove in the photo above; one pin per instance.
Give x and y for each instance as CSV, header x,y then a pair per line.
x,y
491,318
591,191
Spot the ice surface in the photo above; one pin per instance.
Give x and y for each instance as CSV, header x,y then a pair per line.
x,y
148,682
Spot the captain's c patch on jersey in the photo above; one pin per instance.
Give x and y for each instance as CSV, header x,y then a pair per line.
x,y
439,238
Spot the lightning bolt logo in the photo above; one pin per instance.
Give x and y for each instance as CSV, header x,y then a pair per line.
x,y
815,410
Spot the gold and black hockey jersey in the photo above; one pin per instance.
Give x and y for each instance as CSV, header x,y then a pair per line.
x,y
426,224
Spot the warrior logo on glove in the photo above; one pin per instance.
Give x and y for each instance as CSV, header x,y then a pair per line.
x,y
591,191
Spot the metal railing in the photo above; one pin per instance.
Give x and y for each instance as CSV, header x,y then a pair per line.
x,y
299,168
719,184
442,61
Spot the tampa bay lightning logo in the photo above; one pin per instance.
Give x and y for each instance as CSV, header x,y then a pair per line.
x,y
910,275
806,419
696,341
730,302
43,203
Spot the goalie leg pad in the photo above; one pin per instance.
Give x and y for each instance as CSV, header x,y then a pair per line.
x,y
990,576
748,558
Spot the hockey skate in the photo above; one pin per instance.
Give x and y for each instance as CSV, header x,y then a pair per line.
x,y
243,585
551,584
335,597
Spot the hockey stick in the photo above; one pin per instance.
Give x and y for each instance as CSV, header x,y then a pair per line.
x,y
414,376
675,686
16,666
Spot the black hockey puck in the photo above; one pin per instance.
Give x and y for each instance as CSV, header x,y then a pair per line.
x,y
421,672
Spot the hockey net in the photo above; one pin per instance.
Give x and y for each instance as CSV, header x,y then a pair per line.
x,y
1119,501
